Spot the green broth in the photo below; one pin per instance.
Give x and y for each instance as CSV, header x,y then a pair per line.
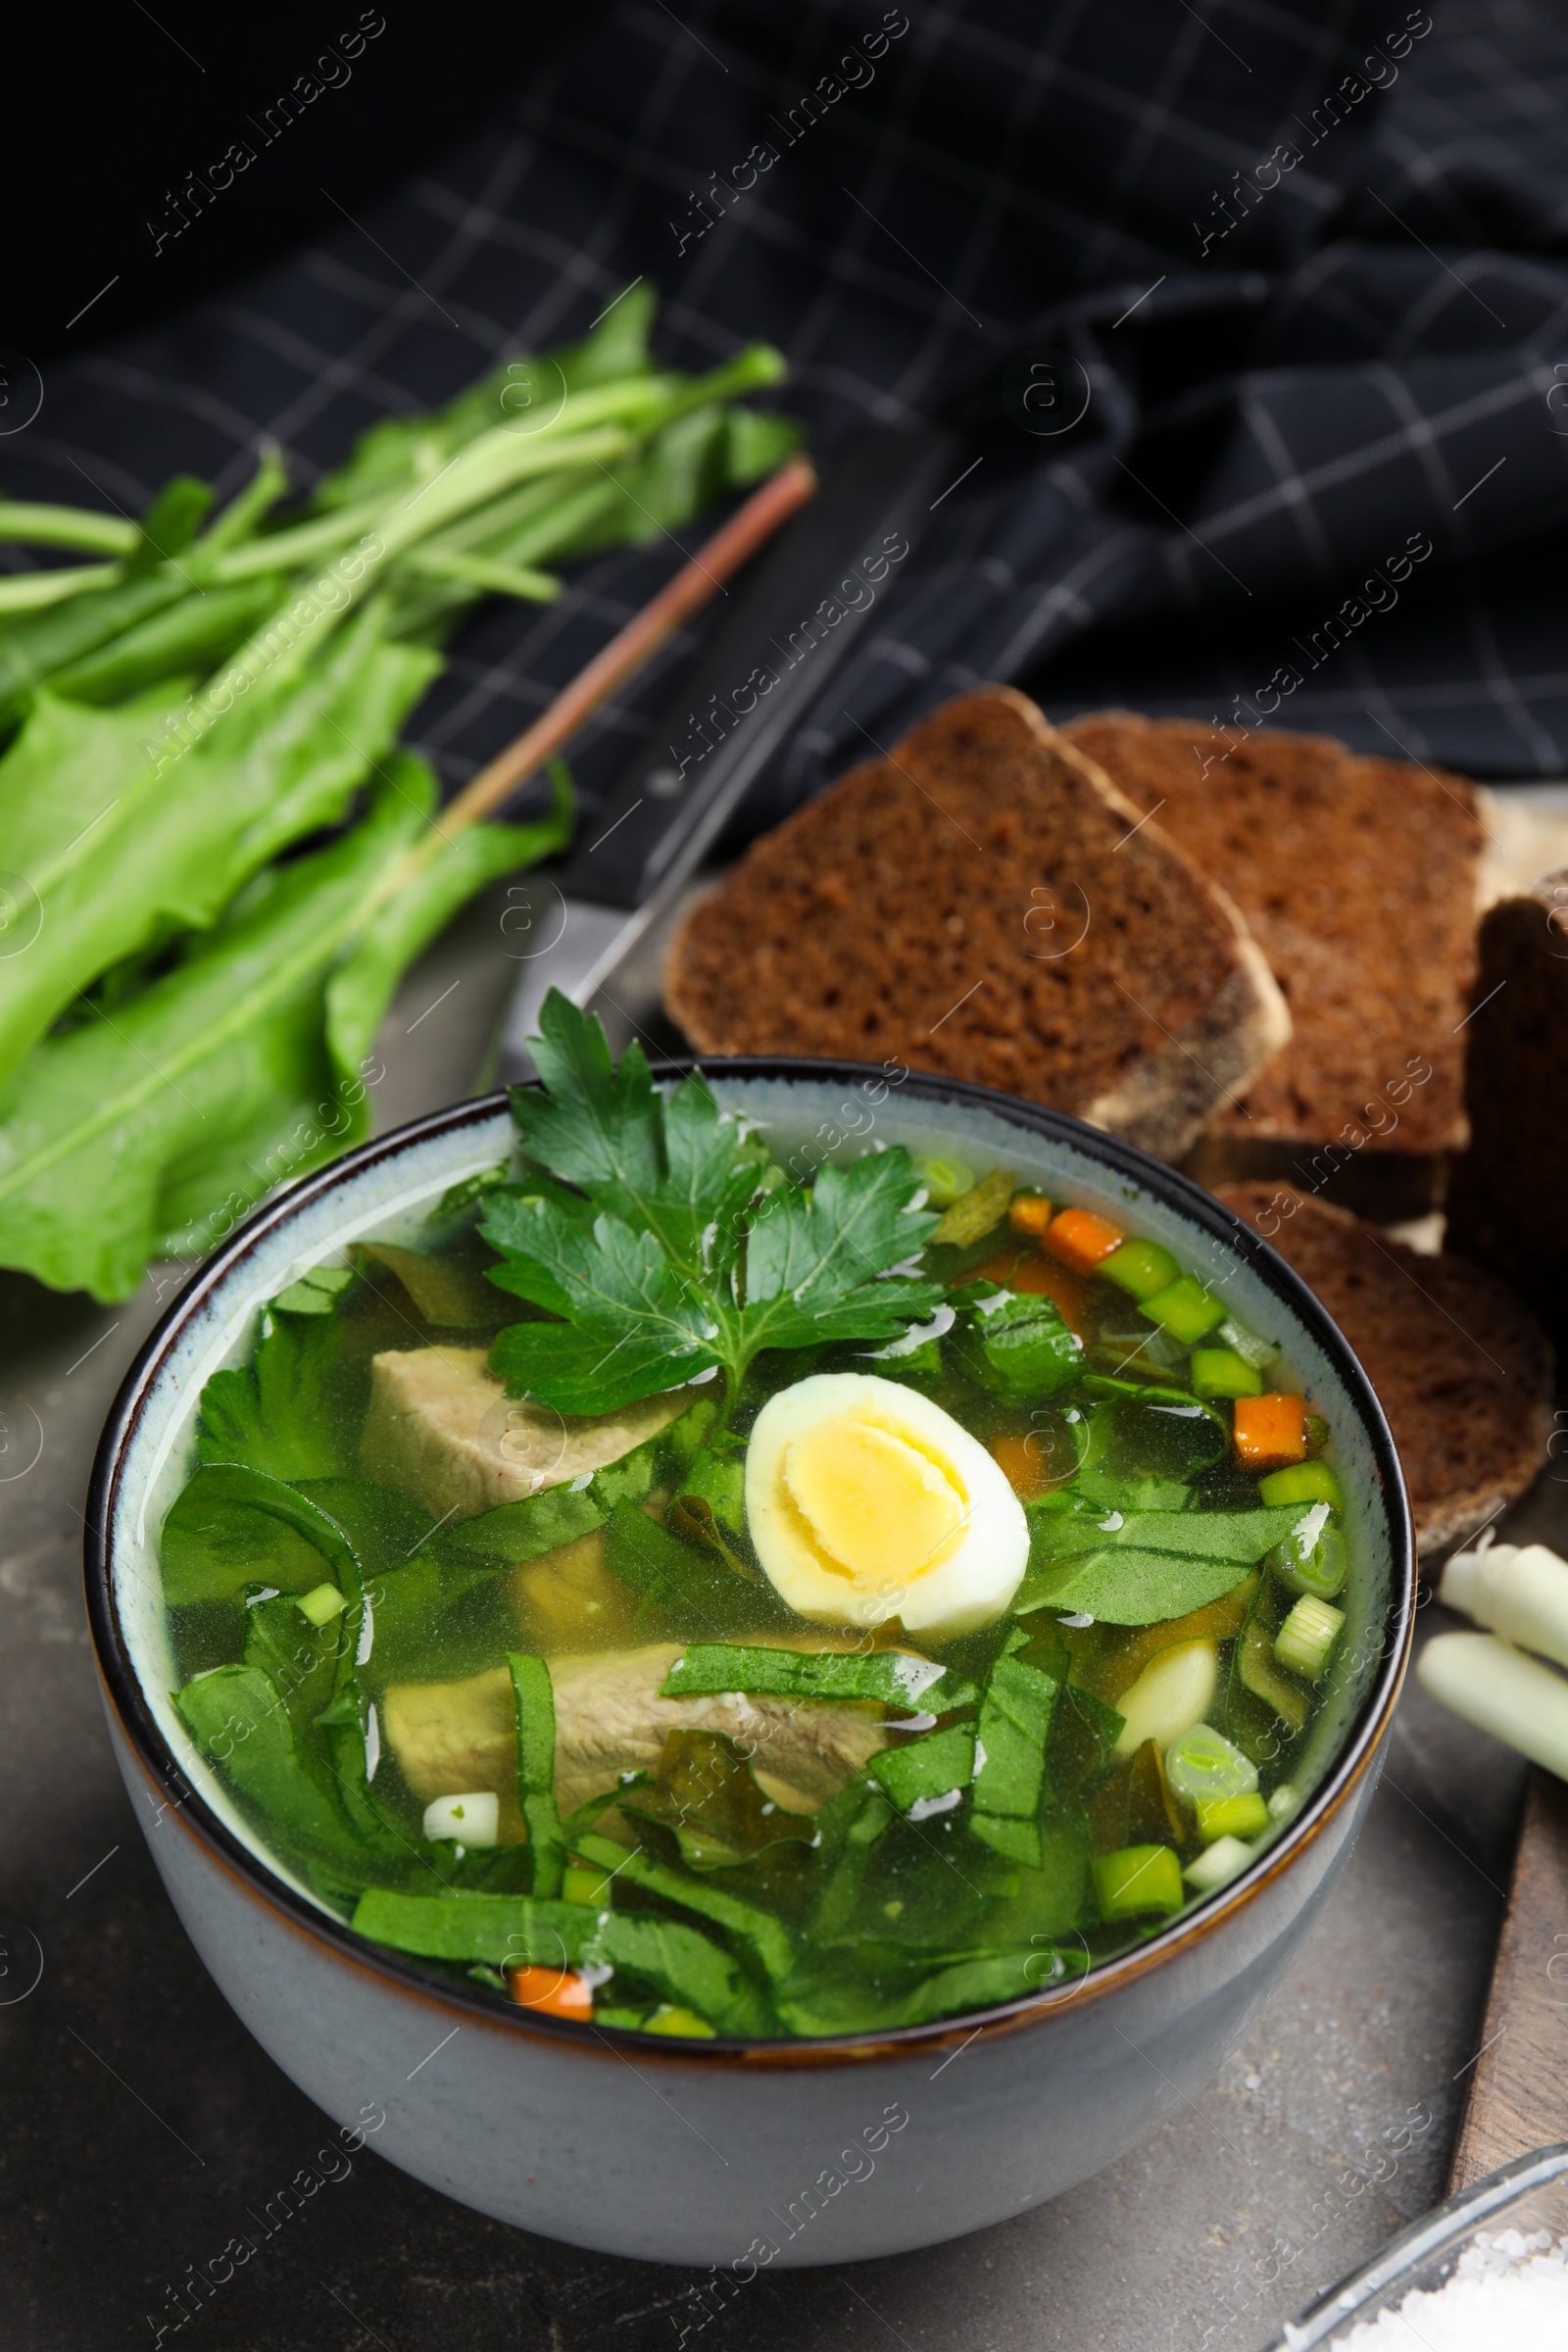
x,y
576,1729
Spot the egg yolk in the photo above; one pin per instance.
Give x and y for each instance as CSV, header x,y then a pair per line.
x,y
872,1503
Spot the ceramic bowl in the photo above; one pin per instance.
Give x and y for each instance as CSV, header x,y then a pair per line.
x,y
715,2152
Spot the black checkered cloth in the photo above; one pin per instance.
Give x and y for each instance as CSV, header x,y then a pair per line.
x,y
1251,318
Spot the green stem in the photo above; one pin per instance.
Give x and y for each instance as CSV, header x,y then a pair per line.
x,y
65,526
35,591
506,579
285,551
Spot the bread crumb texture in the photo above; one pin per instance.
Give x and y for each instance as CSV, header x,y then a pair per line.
x,y
1462,1370
1358,879
976,905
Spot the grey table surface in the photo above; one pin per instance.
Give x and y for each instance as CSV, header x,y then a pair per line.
x,y
140,2121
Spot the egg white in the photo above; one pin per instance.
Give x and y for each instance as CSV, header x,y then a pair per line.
x,y
970,1576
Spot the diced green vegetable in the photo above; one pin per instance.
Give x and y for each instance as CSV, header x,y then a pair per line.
x,y
1247,1345
1244,1816
1221,1372
668,2018
1203,1766
1302,1482
928,1774
535,1699
581,1883
946,1180
1185,1309
1255,1665
975,1212
1138,1879
1217,1864
1308,1634
1312,1558
1141,1268
321,1604
1023,1347
891,1676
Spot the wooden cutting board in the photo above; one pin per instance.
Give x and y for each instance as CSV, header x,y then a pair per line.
x,y
1519,2085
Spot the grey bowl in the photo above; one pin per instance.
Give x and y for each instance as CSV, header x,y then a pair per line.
x,y
735,2154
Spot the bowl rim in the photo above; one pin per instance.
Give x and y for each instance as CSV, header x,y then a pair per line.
x,y
124,1693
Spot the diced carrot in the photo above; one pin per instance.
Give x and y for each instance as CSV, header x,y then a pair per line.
x,y
558,1992
1270,1431
1029,1213
1024,1464
1081,1239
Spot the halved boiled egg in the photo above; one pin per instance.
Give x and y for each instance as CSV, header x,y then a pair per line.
x,y
868,1502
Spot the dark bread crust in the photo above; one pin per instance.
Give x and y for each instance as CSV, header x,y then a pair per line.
x,y
1508,1196
1464,1371
984,903
1358,879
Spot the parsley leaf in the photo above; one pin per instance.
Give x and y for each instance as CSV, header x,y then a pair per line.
x,y
665,1243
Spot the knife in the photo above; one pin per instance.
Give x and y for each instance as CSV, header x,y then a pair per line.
x,y
810,599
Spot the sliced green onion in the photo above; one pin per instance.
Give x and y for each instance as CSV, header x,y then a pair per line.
x,y
1255,1668
1221,1372
1302,1482
1310,1631
1317,1431
1221,1861
1312,1557
585,1883
472,1819
945,1180
1232,1817
1203,1766
1137,1880
668,2018
1283,1802
1141,1268
321,1604
1247,1344
1185,1309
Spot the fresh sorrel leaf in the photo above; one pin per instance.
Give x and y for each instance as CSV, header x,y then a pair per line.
x,y
204,1090
1126,1588
890,1676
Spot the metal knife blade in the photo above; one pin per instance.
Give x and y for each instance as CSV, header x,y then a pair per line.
x,y
809,599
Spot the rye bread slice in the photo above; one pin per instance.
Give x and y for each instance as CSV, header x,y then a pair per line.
x,y
1464,1371
984,903
1358,878
1509,1195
